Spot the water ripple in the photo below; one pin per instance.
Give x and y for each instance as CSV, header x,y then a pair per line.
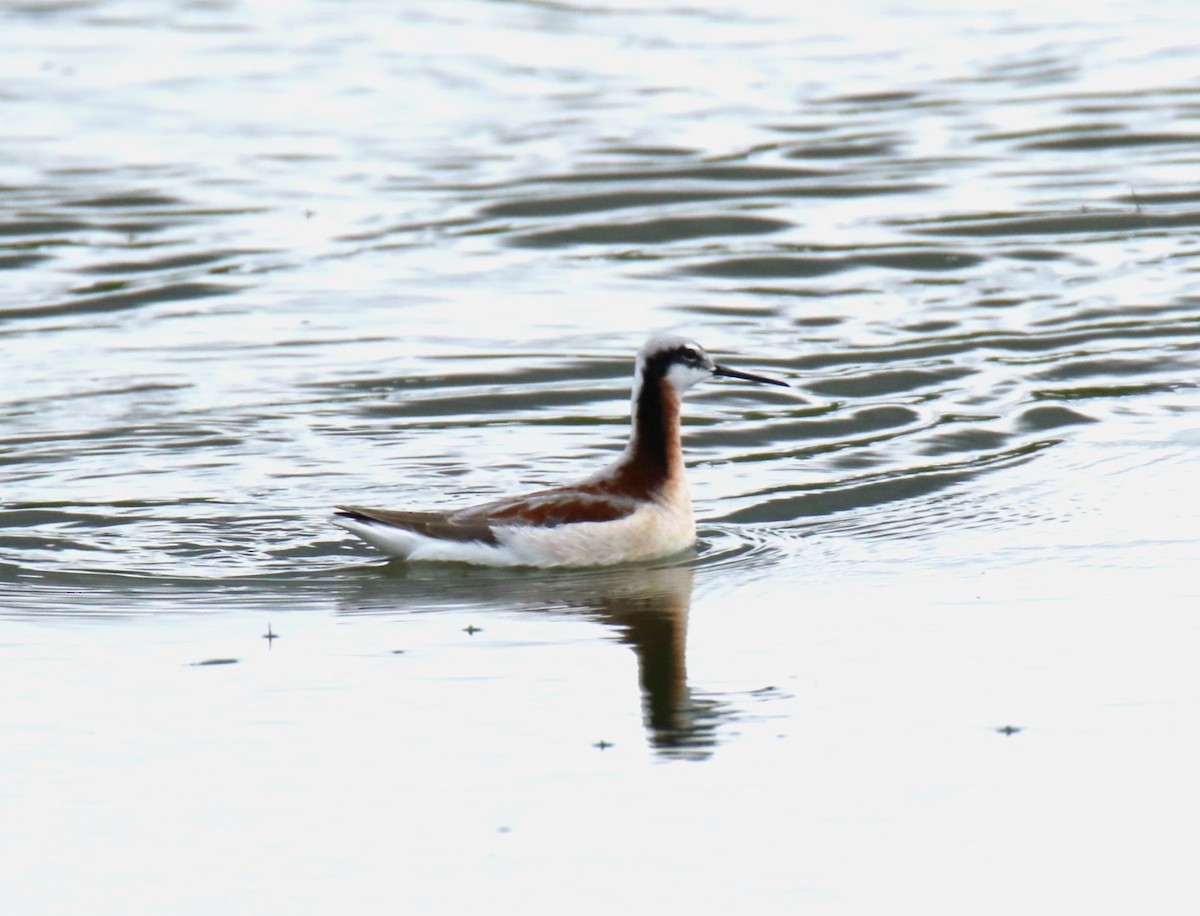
x,y
965,269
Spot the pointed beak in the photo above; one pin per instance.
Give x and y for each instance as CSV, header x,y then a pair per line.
x,y
747,377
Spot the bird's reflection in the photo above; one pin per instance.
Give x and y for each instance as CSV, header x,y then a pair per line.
x,y
647,606
651,612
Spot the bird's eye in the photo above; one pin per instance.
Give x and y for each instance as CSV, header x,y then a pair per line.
x,y
691,354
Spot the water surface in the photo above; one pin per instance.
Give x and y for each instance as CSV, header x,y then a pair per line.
x,y
936,642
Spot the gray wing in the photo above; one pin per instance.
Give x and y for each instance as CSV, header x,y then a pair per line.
x,y
548,508
431,524
544,509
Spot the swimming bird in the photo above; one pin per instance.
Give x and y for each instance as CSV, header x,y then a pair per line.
x,y
636,508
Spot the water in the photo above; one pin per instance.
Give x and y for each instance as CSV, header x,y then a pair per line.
x,y
937,641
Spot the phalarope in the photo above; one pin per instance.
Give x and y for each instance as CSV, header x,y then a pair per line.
x,y
637,508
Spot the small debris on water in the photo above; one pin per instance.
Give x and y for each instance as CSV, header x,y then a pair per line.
x,y
1008,729
215,661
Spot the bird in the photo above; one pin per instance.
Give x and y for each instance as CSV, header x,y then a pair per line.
x,y
638,508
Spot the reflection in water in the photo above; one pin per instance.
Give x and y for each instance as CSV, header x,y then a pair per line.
x,y
647,605
653,617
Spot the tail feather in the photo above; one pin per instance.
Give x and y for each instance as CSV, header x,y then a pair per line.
x,y
391,540
438,525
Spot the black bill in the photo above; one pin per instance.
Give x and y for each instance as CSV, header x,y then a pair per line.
x,y
746,376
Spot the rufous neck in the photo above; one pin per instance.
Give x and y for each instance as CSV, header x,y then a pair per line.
x,y
654,455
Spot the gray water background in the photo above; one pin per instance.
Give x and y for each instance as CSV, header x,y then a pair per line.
x,y
258,259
